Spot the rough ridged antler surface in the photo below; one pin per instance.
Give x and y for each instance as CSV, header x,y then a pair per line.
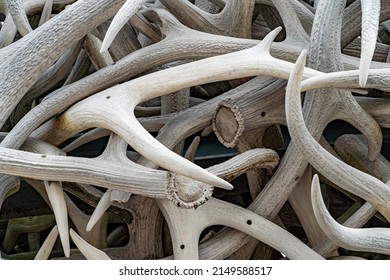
x,y
183,112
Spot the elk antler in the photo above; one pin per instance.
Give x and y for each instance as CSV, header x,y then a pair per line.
x,y
338,172
368,239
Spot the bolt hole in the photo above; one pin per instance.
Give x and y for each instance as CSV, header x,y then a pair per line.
x,y
263,114
43,156
296,178
108,97
249,222
182,246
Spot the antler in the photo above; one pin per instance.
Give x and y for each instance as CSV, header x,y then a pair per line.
x,y
17,11
338,172
151,86
368,239
119,100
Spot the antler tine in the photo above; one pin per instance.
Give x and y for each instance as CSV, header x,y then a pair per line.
x,y
353,149
367,239
377,78
89,136
46,12
104,203
18,13
54,191
191,151
116,149
8,186
116,103
7,32
370,22
90,252
186,236
57,200
47,246
345,176
22,61
265,158
120,19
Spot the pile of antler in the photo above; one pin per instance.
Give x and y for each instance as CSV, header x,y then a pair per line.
x,y
88,69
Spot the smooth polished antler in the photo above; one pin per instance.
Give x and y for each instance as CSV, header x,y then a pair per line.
x,y
120,19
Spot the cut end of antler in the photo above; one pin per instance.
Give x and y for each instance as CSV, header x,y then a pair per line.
x,y
186,192
228,123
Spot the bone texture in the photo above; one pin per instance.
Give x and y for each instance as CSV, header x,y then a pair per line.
x,y
205,129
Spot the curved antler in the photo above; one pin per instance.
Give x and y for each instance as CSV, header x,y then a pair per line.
x,y
23,58
348,178
367,239
120,19
117,102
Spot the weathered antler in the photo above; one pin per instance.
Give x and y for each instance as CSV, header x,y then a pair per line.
x,y
117,102
120,19
338,172
17,11
163,75
69,29
367,239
